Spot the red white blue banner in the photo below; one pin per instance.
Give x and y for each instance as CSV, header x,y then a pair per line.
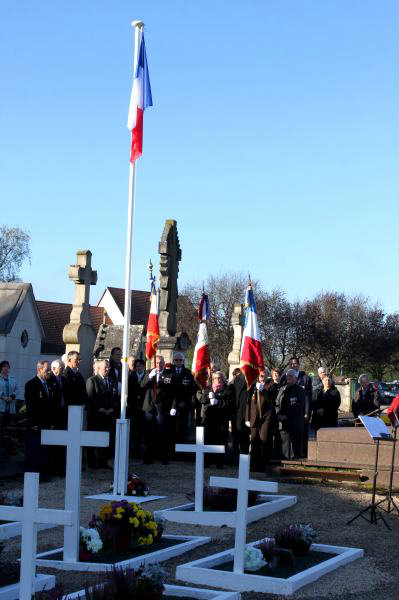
x,y
201,358
203,309
251,357
153,323
140,99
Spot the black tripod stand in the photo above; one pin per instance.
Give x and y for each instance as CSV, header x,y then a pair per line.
x,y
392,505
374,506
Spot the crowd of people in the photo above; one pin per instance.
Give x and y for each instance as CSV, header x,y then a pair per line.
x,y
269,420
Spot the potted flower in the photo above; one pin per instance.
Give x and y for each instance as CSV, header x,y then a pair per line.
x,y
146,583
122,524
253,559
296,537
90,544
136,486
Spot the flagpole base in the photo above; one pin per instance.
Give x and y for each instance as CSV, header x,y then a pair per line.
x,y
121,464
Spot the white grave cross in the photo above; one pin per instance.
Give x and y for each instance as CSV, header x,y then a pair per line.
x,y
243,484
30,515
200,449
73,438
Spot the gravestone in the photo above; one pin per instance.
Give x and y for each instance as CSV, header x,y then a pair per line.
x,y
170,256
30,515
73,438
236,321
79,333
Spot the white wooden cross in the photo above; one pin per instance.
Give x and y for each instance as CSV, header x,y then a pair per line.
x,y
30,515
73,438
243,484
200,449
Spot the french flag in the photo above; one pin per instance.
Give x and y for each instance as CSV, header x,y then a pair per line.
x,y
152,324
201,358
141,98
203,309
251,358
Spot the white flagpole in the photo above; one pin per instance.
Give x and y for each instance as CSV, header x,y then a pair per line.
x,y
121,463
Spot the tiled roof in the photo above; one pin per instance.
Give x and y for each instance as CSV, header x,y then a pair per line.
x,y
140,304
54,316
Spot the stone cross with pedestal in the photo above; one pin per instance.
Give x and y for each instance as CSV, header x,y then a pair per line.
x,y
236,322
243,485
79,333
200,449
73,438
30,515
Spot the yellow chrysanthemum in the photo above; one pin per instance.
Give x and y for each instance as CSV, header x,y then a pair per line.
x,y
120,510
118,516
150,539
140,514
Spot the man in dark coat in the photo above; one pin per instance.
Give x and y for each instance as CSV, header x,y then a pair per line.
x,y
115,367
326,404
367,398
305,382
186,389
160,394
40,415
74,383
135,399
242,395
60,411
290,410
102,408
260,417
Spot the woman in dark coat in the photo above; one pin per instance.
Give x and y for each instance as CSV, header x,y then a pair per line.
x,y
325,405
260,417
217,402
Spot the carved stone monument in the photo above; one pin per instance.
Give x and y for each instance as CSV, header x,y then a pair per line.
x,y
170,256
79,333
236,321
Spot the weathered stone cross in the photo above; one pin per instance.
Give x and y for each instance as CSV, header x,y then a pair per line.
x,y
30,515
200,449
243,484
73,438
83,276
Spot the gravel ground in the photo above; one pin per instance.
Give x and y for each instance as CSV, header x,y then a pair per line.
x,y
326,506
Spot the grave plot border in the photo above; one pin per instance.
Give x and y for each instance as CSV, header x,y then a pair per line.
x,y
14,528
110,497
11,592
178,590
200,570
184,514
189,542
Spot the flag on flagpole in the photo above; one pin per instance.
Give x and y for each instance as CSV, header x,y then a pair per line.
x,y
393,411
153,323
251,357
140,99
203,310
201,358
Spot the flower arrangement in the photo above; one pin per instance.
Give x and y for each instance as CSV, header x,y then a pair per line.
x,y
122,523
136,486
296,537
89,543
253,559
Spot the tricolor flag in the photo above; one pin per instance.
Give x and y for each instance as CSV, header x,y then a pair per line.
x,y
201,358
153,323
141,98
203,310
251,357
393,411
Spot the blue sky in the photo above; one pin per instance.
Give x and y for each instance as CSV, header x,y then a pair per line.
x,y
272,140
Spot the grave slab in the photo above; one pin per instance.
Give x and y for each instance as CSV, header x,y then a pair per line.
x,y
268,504
110,497
204,569
188,542
177,591
42,582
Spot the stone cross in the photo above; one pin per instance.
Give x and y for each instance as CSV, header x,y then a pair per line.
x,y
200,449
79,334
243,484
30,515
73,438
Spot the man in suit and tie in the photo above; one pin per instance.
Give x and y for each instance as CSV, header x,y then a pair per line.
x,y
160,394
40,415
184,399
115,367
135,399
74,383
102,410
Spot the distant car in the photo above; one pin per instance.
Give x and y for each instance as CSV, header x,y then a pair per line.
x,y
387,391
